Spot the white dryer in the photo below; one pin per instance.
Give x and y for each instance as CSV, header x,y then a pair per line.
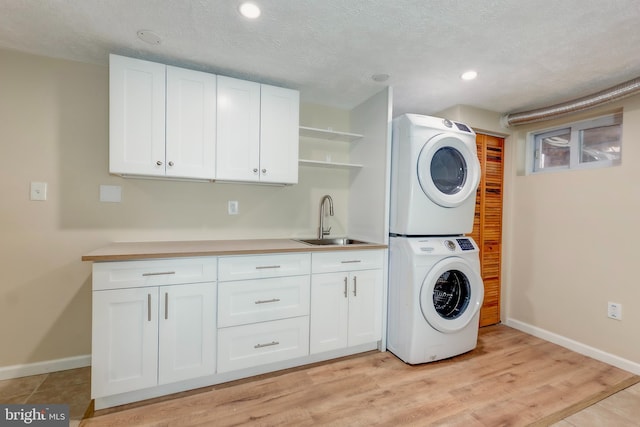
x,y
435,173
435,295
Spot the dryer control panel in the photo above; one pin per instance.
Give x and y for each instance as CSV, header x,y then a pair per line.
x,y
465,244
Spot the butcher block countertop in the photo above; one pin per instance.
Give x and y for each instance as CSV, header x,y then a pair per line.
x,y
126,251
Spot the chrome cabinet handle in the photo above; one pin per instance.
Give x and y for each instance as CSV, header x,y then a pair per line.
x,y
159,163
160,273
264,171
352,261
149,307
345,287
266,345
166,305
255,170
263,267
355,286
170,163
266,301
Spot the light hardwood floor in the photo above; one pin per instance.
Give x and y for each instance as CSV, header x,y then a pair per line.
x,y
510,379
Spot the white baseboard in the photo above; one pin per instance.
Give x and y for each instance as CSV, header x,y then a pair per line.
x,y
576,346
16,371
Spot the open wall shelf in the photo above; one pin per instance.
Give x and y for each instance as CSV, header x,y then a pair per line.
x,y
321,164
328,134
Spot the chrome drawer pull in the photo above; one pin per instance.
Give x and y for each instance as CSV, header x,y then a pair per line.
x,y
266,345
353,261
265,301
262,267
161,273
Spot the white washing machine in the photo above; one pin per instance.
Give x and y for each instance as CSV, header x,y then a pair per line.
x,y
435,295
434,176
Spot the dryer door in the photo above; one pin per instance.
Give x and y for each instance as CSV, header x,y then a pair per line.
x,y
448,170
451,294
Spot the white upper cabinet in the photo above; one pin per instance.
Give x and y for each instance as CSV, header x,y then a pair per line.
x,y
162,120
279,135
191,124
136,116
257,132
238,148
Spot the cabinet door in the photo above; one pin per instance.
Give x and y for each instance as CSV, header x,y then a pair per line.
x,y
329,312
136,116
187,340
365,306
124,340
238,130
279,120
191,124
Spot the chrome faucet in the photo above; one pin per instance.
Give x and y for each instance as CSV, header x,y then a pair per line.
x,y
321,231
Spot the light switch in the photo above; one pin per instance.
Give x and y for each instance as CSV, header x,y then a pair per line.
x,y
111,193
38,191
232,207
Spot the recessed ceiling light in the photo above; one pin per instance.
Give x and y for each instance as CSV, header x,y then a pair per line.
x,y
249,10
149,37
469,75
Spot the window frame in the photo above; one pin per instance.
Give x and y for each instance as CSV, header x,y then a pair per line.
x,y
534,139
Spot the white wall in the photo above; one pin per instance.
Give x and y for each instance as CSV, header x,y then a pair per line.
x,y
571,244
569,241
54,128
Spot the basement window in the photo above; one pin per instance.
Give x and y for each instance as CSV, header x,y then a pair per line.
x,y
592,143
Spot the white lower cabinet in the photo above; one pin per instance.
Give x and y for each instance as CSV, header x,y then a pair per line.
x,y
167,325
145,336
263,318
124,341
187,335
346,306
256,344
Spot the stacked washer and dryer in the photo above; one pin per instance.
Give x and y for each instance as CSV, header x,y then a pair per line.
x,y
435,287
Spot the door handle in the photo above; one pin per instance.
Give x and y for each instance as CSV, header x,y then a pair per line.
x,y
166,305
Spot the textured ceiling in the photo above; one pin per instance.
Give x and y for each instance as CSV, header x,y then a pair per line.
x,y
528,53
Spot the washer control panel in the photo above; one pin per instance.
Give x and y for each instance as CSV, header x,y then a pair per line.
x,y
442,245
450,244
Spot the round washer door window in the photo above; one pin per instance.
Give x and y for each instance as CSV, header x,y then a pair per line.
x,y
448,171
451,295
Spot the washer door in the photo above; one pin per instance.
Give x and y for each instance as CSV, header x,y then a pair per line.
x,y
451,295
448,171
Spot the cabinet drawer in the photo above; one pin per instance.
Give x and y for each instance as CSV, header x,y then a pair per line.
x,y
243,267
134,274
261,343
260,300
324,262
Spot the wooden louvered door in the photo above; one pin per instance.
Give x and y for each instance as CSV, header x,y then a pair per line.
x,y
487,226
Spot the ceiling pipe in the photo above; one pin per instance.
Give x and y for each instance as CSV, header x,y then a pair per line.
x,y
600,98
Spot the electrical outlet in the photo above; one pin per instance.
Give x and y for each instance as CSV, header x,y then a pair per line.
x,y
233,207
38,191
614,310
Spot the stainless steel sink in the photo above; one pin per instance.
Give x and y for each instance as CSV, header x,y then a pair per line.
x,y
336,241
